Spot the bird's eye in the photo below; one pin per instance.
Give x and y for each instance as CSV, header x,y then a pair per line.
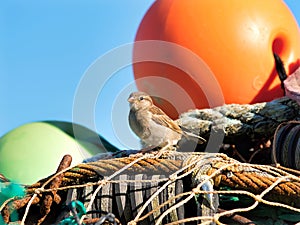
x,y
141,98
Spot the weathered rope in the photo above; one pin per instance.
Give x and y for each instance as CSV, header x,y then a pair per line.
x,y
266,184
91,172
253,178
253,121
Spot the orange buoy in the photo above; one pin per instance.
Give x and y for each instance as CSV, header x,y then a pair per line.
x,y
234,42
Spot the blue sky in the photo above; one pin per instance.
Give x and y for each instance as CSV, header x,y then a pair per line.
x,y
46,47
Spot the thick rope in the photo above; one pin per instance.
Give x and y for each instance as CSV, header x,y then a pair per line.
x,y
266,184
253,178
252,121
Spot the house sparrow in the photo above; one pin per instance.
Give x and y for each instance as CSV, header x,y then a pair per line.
x,y
151,124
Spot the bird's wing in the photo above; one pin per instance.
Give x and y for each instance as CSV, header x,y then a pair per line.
x,y
159,117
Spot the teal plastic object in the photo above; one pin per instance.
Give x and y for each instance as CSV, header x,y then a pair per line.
x,y
10,190
78,210
33,151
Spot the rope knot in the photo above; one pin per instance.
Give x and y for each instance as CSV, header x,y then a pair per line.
x,y
173,177
196,190
102,182
39,190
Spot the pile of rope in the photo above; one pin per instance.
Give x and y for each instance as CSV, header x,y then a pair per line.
x,y
128,187
148,190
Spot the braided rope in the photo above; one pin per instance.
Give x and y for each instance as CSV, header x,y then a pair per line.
x,y
265,184
252,121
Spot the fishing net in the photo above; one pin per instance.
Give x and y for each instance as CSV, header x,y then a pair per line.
x,y
176,187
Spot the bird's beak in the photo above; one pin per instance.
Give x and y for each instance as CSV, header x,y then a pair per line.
x,y
130,99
